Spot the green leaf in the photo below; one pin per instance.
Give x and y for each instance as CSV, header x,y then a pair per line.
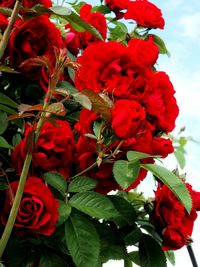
x,y
161,45
176,185
52,260
81,184
60,10
64,210
71,90
112,245
7,101
71,72
57,181
4,143
16,139
7,69
170,256
131,235
3,184
80,25
125,173
94,204
135,155
127,262
82,241
124,208
83,100
179,153
102,8
7,11
150,253
134,257
7,109
3,123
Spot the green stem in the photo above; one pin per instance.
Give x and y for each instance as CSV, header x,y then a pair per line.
x,y
85,170
13,213
8,30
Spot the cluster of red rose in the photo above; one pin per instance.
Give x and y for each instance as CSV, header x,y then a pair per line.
x,y
141,100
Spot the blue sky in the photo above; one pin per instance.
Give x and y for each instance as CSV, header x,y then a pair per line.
x,y
182,37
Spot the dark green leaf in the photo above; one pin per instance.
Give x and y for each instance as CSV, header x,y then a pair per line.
x,y
125,172
161,45
112,245
132,236
151,253
4,143
57,181
16,139
176,185
94,204
71,72
124,208
82,241
3,184
3,123
52,260
127,262
7,109
134,257
7,101
64,211
81,184
102,8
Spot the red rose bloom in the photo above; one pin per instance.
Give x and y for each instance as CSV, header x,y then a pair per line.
x,y
38,210
116,6
145,51
145,14
160,103
52,152
161,146
26,3
171,219
80,40
35,37
110,67
127,118
3,22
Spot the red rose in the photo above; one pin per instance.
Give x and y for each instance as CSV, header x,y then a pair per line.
x,y
110,67
3,22
116,6
127,118
145,51
145,14
38,210
52,152
171,219
160,103
80,40
35,37
26,3
161,146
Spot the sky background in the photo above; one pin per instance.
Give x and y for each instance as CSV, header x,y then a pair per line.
x,y
182,38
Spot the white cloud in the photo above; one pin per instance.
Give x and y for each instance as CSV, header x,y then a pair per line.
x,y
190,26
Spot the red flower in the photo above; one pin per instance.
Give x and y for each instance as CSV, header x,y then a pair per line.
x,y
127,118
52,152
3,22
35,37
145,51
110,67
26,3
38,210
116,6
160,103
145,14
171,219
161,146
80,40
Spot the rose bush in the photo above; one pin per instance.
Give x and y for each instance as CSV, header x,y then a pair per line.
x,y
84,116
